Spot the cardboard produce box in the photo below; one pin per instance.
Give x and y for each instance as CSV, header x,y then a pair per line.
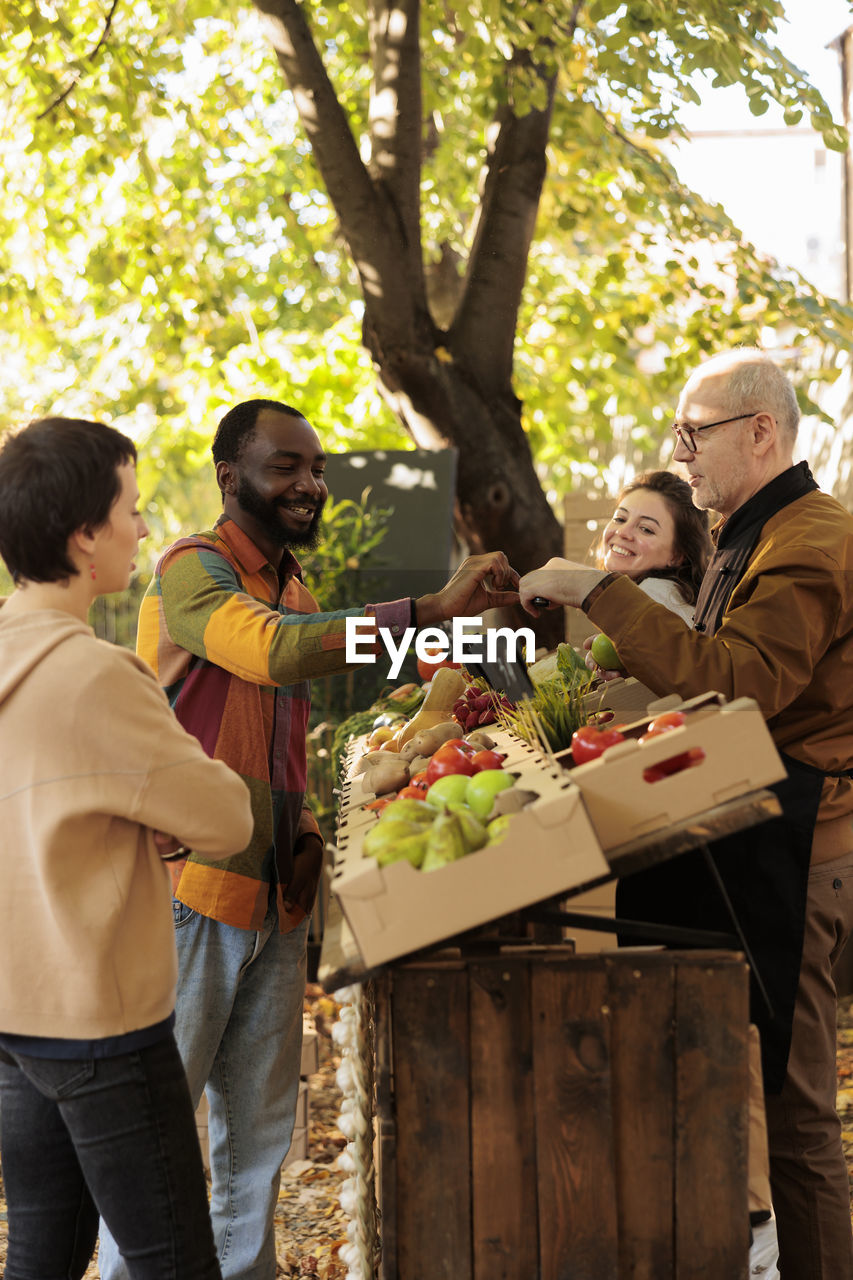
x,y
628,699
394,910
517,751
740,757
352,796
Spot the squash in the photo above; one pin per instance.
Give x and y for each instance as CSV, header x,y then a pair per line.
x,y
446,686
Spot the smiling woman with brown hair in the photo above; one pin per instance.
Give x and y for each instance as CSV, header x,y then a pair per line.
x,y
659,538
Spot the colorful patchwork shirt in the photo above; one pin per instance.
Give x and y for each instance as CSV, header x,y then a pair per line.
x,y
235,647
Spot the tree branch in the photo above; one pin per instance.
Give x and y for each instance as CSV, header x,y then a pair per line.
x,y
395,115
368,222
87,58
483,333
485,324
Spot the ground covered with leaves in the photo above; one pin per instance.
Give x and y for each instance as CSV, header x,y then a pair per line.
x,y
310,1226
845,1079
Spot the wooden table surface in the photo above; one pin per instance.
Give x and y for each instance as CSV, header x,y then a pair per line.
x,y
340,959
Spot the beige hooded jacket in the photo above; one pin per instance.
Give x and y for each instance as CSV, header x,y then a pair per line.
x,y
92,762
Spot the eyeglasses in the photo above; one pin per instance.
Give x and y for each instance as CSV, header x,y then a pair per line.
x,y
687,435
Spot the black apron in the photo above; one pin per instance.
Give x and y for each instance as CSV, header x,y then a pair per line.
x,y
765,868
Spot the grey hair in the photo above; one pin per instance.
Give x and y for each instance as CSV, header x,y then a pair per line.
x,y
756,382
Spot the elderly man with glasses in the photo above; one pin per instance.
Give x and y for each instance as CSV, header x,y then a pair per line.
x,y
774,622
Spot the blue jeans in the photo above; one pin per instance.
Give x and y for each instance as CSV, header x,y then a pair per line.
x,y
239,1030
114,1136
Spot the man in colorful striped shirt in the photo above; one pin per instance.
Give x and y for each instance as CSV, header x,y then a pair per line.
x,y
235,638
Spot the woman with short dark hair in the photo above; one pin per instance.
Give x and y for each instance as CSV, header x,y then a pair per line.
x,y
95,1113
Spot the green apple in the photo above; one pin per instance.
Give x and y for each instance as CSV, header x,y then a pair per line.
x,y
483,787
445,790
604,652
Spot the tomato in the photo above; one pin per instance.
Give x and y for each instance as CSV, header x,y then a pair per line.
x,y
419,781
455,746
412,793
377,805
426,670
599,718
675,764
666,768
588,742
653,733
487,760
664,723
449,759
667,720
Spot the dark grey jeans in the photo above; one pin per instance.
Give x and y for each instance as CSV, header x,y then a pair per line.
x,y
103,1136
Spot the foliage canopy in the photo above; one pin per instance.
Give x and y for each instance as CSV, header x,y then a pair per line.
x,y
182,226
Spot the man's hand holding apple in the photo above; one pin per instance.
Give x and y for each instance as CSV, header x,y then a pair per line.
x,y
603,673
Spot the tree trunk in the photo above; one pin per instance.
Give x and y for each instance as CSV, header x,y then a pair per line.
x,y
450,386
500,502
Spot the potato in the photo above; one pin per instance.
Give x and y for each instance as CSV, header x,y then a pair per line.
x,y
384,775
418,765
363,761
427,741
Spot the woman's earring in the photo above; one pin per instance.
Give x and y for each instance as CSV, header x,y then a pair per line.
x,y
92,571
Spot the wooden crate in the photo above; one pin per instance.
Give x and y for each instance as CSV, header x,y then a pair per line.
x,y
557,1117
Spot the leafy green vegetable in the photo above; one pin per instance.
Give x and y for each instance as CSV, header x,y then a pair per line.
x,y
362,721
570,662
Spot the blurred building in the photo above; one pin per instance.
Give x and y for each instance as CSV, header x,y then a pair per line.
x,y
783,189
792,197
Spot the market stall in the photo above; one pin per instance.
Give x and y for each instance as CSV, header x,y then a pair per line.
x,y
518,1110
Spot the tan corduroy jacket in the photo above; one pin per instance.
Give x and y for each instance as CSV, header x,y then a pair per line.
x,y
93,762
786,640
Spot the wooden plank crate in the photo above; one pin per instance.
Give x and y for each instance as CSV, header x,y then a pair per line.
x,y
545,1116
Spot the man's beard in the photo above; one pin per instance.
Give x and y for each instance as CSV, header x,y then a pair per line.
x,y
266,514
